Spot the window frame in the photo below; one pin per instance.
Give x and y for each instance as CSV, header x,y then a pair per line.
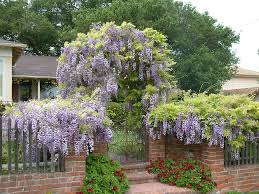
x,y
2,62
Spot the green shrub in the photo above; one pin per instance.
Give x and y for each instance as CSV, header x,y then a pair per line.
x,y
104,176
5,152
183,173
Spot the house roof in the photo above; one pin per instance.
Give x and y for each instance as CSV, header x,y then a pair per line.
x,y
16,47
35,67
241,72
253,90
7,43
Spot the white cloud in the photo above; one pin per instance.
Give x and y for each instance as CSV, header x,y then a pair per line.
x,y
243,17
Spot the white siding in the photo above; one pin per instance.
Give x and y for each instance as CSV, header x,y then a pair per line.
x,y
241,82
6,57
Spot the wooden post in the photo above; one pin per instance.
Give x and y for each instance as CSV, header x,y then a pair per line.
x,y
30,146
38,89
9,146
16,147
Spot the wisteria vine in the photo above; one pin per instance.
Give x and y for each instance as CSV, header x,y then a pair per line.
x,y
213,118
97,66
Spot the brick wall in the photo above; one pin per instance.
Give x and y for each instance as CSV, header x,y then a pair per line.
x,y
243,178
53,183
156,148
175,149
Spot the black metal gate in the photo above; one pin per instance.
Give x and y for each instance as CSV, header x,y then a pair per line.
x,y
129,146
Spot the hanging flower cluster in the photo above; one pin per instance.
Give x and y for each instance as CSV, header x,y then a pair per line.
x,y
112,57
60,122
214,118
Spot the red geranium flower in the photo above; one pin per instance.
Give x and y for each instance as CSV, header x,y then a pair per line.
x,y
90,190
118,173
190,166
174,170
115,189
189,186
171,183
178,176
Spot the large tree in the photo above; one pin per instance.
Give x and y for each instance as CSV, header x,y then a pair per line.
x,y
200,46
19,23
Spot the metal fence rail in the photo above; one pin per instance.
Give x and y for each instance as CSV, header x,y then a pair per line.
x,y
247,155
21,153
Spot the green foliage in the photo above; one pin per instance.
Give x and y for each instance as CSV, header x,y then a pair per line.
x,y
5,152
104,176
2,107
238,111
123,118
201,47
183,173
19,23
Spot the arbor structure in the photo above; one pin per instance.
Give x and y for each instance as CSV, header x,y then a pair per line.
x,y
107,62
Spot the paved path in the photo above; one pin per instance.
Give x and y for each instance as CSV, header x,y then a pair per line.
x,y
157,188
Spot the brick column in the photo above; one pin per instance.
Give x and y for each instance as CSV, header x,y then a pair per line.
x,y
101,148
214,157
156,148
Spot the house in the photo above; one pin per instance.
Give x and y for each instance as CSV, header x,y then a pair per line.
x,y
25,77
244,82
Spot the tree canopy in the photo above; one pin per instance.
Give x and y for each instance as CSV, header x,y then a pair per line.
x,y
200,45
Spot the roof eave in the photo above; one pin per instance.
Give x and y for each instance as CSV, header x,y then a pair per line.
x,y
34,76
16,45
249,76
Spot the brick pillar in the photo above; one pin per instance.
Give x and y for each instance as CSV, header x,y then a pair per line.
x,y
156,148
214,157
75,168
101,148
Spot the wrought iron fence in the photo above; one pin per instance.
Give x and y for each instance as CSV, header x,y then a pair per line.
x,y
247,155
129,146
21,153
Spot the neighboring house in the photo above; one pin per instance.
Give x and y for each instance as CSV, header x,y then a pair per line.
x,y
25,77
244,82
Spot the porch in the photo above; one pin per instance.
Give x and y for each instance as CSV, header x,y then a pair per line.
x,y
24,89
34,77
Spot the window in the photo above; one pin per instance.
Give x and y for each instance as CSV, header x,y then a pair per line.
x,y
1,78
26,90
48,90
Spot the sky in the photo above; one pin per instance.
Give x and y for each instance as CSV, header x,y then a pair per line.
x,y
243,17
